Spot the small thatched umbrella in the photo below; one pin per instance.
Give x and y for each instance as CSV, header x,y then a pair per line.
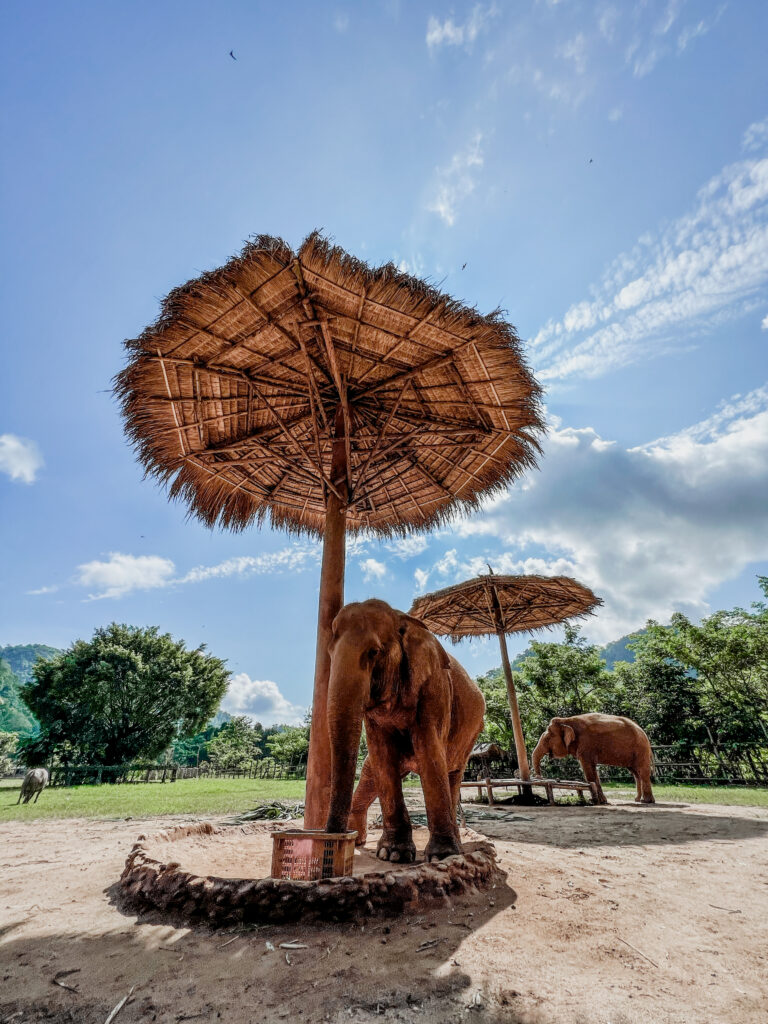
x,y
501,605
325,396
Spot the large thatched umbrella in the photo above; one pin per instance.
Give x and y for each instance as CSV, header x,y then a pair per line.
x,y
501,605
325,396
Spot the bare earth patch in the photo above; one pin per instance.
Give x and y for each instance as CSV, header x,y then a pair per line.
x,y
610,915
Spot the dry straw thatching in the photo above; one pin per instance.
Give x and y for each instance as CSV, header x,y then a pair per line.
x,y
525,604
233,396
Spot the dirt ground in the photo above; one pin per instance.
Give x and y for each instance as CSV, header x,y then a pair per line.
x,y
609,915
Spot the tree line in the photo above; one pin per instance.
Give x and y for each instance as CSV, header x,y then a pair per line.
x,y
689,683
135,694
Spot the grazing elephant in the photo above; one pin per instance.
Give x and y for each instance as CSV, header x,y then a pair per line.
x,y
34,783
600,739
422,714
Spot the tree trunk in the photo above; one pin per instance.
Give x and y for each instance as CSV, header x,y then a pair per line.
x,y
331,600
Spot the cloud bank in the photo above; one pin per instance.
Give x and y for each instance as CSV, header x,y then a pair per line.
x,y
707,267
260,699
651,529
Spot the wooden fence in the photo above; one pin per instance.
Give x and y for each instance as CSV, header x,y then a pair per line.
x,y
702,765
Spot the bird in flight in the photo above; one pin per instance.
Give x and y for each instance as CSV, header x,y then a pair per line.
x,y
232,55
463,265
590,159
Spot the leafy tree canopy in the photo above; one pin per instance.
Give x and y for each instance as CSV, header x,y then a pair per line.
x,y
8,744
125,694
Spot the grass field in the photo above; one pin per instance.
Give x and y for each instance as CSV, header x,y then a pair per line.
x,y
141,800
234,796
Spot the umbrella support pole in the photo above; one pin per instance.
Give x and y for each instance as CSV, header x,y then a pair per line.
x,y
330,602
517,727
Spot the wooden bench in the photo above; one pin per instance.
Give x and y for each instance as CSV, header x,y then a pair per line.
x,y
549,785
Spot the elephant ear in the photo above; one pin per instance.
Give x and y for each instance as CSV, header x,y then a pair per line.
x,y
423,655
569,738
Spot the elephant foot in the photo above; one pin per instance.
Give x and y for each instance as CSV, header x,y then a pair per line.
x,y
396,849
359,825
645,800
440,847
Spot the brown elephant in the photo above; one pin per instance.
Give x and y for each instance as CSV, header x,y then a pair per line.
x,y
422,714
600,739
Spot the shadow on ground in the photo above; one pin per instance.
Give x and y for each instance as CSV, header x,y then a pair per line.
x,y
406,968
576,827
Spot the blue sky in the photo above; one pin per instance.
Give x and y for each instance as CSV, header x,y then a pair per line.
x,y
601,169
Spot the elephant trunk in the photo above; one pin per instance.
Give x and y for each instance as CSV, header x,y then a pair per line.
x,y
542,748
346,699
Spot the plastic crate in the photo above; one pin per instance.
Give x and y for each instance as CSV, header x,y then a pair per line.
x,y
312,854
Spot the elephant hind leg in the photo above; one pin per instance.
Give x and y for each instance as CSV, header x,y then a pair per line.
x,y
638,787
364,795
644,785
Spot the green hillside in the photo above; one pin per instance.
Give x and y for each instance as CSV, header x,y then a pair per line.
x,y
22,657
15,716
16,664
618,649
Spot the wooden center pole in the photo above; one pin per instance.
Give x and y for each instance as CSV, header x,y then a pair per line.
x,y
517,725
331,600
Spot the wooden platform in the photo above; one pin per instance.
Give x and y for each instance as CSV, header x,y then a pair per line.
x,y
549,785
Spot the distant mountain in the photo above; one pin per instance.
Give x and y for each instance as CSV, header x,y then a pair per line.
x,y
619,650
22,658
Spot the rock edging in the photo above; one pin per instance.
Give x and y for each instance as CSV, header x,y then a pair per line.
x,y
149,883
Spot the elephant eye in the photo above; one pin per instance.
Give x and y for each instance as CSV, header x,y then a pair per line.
x,y
372,652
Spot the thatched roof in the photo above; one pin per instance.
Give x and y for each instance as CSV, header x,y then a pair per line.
x,y
230,397
522,604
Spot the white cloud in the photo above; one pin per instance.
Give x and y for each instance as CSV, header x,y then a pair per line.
x,y
697,29
450,33
44,590
607,21
120,574
651,529
341,22
408,547
294,558
615,114
455,181
764,323
756,137
576,50
705,268
373,571
20,458
260,699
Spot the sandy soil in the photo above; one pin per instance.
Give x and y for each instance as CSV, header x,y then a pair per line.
x,y
609,915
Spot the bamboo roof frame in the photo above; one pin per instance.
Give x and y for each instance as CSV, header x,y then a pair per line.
x,y
229,398
523,604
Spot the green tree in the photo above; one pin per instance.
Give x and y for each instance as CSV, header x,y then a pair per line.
x,y
290,744
125,694
566,678
236,745
8,743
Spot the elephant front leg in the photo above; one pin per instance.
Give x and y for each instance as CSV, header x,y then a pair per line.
x,y
364,796
591,774
441,812
396,843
